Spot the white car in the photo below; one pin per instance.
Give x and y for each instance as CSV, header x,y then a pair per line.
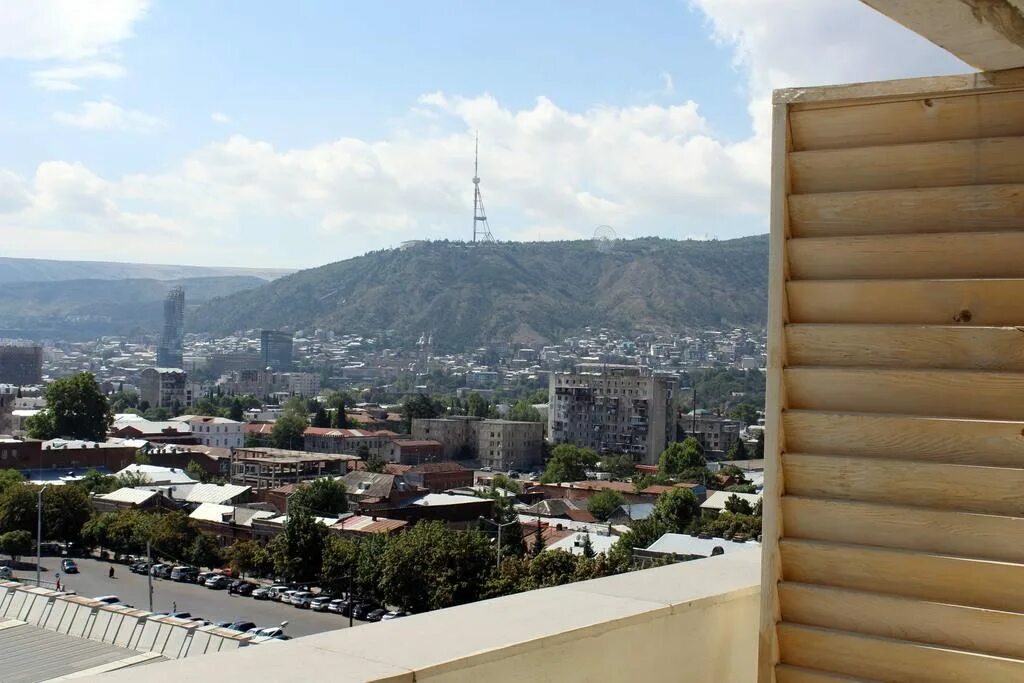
x,y
286,595
6,573
302,598
261,634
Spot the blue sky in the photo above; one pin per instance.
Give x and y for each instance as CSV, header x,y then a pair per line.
x,y
292,134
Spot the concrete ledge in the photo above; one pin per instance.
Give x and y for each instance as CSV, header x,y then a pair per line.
x,y
695,621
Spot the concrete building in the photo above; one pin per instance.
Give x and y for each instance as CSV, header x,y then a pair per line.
x,y
331,440
717,434
169,354
413,451
21,364
613,409
163,388
268,468
276,349
305,384
499,444
219,432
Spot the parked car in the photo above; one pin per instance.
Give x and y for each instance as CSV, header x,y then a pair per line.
x,y
320,603
376,615
245,589
266,633
139,567
335,605
181,615
6,573
302,599
263,594
69,567
362,609
184,574
234,585
155,569
217,582
109,599
394,614
203,577
242,626
285,596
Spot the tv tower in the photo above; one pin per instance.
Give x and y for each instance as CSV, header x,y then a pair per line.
x,y
480,228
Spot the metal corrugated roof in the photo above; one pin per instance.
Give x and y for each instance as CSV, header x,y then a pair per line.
x,y
29,654
214,493
129,495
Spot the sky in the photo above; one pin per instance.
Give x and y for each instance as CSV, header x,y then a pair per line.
x,y
278,134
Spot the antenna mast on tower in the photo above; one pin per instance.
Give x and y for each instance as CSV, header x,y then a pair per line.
x,y
481,230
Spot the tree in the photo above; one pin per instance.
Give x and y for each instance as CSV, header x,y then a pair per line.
x,y
18,508
16,544
320,417
10,478
288,431
745,413
376,464
603,504
132,479
205,552
196,471
141,458
477,406
340,563
738,505
682,456
503,481
417,407
641,534
676,509
552,568
95,482
522,411
620,466
738,451
759,449
172,535
568,463
299,548
323,497
588,547
76,408
236,411
249,557
66,509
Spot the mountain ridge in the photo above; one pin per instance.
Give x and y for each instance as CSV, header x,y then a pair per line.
x,y
52,270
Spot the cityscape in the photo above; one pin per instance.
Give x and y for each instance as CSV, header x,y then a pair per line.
x,y
723,384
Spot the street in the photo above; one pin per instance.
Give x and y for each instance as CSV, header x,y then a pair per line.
x,y
214,605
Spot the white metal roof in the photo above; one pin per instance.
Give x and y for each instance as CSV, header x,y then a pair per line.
x,y
684,544
716,501
129,495
574,543
214,493
159,475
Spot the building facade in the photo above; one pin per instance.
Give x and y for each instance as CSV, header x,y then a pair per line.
x,y
331,440
219,432
716,434
169,354
499,444
21,364
163,388
613,409
276,349
305,384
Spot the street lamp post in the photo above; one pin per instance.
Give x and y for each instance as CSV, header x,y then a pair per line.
x,y
497,564
39,533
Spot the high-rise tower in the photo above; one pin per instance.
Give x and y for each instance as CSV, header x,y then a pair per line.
x,y
173,337
481,231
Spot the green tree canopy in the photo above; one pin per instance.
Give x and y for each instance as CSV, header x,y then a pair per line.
x,y
204,551
66,509
738,505
419,406
10,478
16,544
236,412
18,508
320,417
676,509
289,428
298,550
745,413
478,406
75,408
249,557
739,451
603,504
323,497
680,456
568,463
620,466
522,411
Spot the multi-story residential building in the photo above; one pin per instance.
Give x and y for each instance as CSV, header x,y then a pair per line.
x,y
717,434
613,409
219,432
276,349
21,364
331,440
169,354
163,388
499,444
304,383
413,451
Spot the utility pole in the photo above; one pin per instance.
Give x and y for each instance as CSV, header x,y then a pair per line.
x,y
39,533
351,621
497,564
149,573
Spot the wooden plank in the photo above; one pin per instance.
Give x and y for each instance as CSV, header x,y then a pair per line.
x,y
990,537
913,574
993,632
988,490
938,255
970,442
890,660
925,302
982,161
907,346
778,274
899,89
926,119
940,393
787,673
975,208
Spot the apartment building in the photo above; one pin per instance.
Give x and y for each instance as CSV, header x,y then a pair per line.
x,y
219,432
331,440
716,434
613,409
163,388
499,444
21,364
304,384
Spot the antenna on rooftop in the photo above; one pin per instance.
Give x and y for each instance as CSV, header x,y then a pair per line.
x,y
481,230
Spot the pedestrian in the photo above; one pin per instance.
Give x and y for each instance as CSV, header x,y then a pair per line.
x,y
110,574
174,607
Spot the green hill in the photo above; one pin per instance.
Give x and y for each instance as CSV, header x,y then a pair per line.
x,y
539,291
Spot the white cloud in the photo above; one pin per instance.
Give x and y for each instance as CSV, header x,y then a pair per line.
x,y
66,29
106,115
219,117
66,77
667,86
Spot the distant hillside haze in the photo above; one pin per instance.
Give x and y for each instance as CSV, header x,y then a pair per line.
x,y
526,292
47,270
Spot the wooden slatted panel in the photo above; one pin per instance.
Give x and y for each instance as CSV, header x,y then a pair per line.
x,y
918,120
943,255
986,161
990,631
907,346
994,395
891,660
976,208
924,302
969,442
785,673
988,490
990,537
927,576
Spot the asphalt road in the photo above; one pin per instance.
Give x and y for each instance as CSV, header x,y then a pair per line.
x,y
215,605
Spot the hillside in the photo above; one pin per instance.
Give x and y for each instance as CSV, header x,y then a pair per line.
x,y
43,270
537,291
75,308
